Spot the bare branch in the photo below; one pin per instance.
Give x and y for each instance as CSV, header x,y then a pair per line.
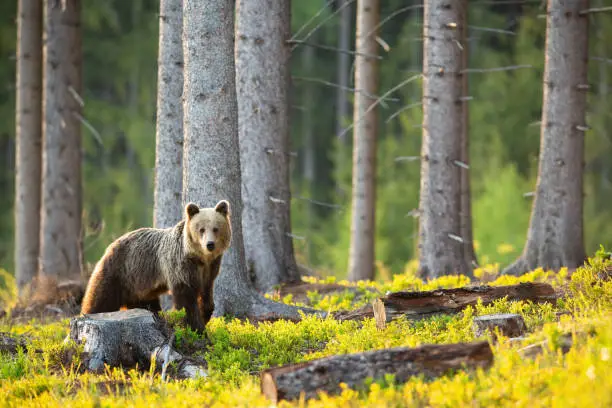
x,y
277,200
336,49
345,88
606,60
89,126
456,238
595,10
299,237
320,203
407,158
405,108
492,30
508,68
311,32
317,14
461,164
529,194
76,96
383,44
390,16
379,100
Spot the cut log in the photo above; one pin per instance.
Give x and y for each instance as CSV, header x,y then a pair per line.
x,y
126,338
326,374
419,305
508,324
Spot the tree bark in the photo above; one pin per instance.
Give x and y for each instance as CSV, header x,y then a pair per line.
x,y
29,140
466,196
262,86
420,305
126,338
343,67
441,249
61,235
211,169
168,206
169,147
326,374
363,213
555,236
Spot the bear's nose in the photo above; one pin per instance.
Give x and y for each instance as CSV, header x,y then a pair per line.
x,y
210,245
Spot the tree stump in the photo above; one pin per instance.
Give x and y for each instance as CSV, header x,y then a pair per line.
x,y
126,338
326,374
508,324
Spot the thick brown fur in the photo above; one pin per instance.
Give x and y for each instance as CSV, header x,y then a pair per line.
x,y
142,264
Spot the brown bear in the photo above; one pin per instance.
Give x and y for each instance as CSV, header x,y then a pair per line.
x,y
142,264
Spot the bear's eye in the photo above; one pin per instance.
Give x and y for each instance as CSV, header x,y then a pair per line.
x,y
215,229
202,230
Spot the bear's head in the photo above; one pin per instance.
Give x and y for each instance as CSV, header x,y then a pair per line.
x,y
208,231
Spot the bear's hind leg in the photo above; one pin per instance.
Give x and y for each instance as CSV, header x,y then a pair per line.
x,y
102,295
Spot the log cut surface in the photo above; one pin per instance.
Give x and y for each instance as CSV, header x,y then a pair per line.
x,y
418,305
326,374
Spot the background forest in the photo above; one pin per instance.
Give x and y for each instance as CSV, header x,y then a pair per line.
x,y
120,103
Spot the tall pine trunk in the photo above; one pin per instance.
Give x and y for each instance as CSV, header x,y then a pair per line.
x,y
343,67
169,138
555,236
168,193
361,253
441,249
262,86
29,140
61,235
466,197
211,169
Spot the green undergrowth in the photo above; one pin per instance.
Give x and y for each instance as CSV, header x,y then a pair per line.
x,y
49,373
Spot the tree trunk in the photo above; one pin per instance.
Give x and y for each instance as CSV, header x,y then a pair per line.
x,y
61,235
466,196
420,305
308,125
361,252
555,236
262,85
441,249
29,140
344,60
168,207
326,374
211,169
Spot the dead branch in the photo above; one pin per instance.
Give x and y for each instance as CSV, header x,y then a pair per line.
x,y
508,68
335,49
378,101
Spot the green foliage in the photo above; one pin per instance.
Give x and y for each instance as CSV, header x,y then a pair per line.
x,y
240,349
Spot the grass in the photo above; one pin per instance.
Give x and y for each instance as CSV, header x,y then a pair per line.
x,y
578,378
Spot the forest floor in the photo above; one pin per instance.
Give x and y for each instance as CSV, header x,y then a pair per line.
x,y
49,372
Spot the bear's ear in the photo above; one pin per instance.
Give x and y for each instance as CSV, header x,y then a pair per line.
x,y
223,207
191,209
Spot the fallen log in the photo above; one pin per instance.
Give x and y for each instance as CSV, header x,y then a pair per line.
x,y
508,324
419,305
326,374
129,337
